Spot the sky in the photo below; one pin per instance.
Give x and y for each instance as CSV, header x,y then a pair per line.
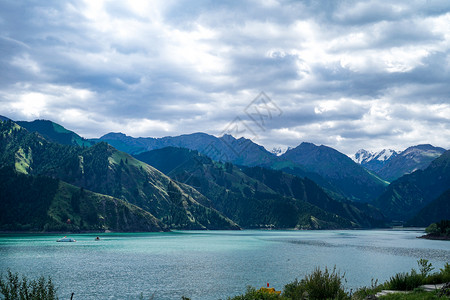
x,y
346,74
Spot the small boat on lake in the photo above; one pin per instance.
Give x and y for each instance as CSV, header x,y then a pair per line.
x,y
66,239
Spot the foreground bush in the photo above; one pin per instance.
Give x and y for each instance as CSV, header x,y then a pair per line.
x,y
410,281
442,277
13,288
405,281
318,285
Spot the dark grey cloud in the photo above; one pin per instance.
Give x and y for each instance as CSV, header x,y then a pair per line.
x,y
349,74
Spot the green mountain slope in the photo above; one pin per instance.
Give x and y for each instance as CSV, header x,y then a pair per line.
x,y
40,203
257,197
55,133
105,170
406,196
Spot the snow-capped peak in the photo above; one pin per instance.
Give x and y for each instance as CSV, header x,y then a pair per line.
x,y
278,151
385,154
364,156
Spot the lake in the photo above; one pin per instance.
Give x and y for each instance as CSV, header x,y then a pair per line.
x,y
211,264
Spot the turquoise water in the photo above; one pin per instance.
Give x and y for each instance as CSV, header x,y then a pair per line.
x,y
210,264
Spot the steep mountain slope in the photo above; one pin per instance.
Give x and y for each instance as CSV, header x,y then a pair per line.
x,y
40,203
344,174
435,211
108,171
55,133
249,195
226,148
374,161
406,196
412,159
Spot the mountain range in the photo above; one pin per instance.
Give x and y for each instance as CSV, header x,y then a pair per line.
x,y
251,195
328,167
199,181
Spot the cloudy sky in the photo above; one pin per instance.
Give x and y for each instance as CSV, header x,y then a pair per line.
x,y
347,74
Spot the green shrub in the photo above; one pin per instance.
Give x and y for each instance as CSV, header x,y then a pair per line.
x,y
363,292
432,229
425,267
405,281
318,285
13,288
442,277
445,272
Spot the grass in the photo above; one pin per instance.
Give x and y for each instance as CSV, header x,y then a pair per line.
x,y
15,288
410,282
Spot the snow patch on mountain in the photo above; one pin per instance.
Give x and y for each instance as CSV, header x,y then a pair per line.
x,y
363,156
278,151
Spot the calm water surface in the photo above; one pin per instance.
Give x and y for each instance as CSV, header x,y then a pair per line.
x,y
211,264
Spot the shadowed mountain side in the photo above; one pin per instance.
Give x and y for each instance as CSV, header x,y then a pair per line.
x,y
362,214
339,170
40,203
242,192
435,211
105,170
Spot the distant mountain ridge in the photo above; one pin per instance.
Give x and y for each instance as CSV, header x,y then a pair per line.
x,y
390,165
226,148
363,156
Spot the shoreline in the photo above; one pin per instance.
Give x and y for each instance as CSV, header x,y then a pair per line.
x,y
242,229
434,237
